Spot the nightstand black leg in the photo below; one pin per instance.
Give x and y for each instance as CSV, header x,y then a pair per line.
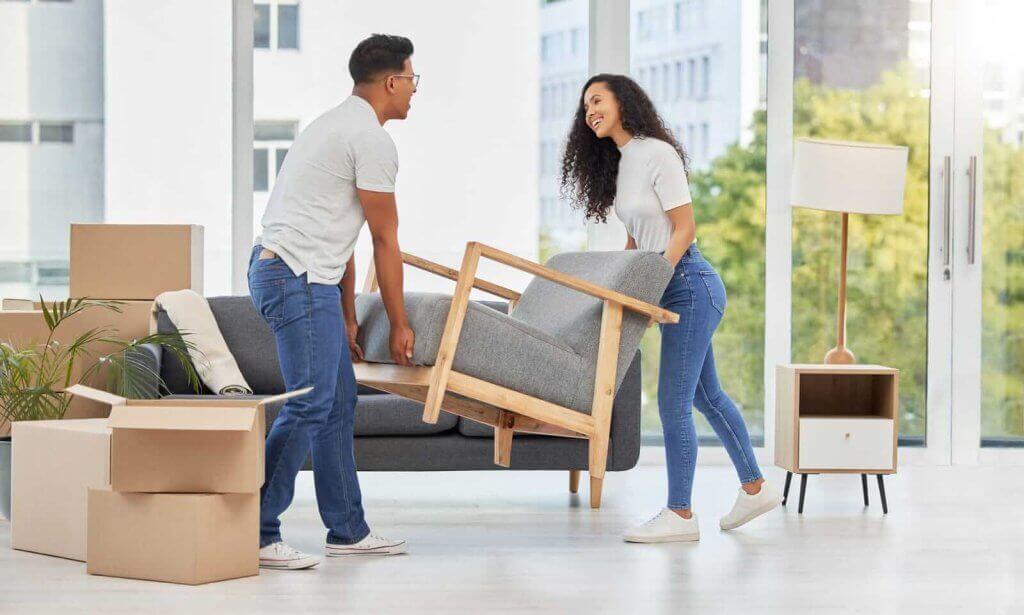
x,y
864,485
803,489
785,490
881,493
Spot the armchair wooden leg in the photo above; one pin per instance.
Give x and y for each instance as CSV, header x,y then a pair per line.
x,y
604,396
450,337
574,481
595,491
503,440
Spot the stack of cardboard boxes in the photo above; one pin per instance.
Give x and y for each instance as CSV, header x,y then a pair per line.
x,y
125,262
164,490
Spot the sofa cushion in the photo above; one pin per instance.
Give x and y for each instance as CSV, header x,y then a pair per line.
x,y
392,415
250,340
376,415
492,346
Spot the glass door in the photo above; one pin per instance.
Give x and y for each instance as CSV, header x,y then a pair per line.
x,y
877,72
988,235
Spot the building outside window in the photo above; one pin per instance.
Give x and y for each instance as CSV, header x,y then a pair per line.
x,y
276,25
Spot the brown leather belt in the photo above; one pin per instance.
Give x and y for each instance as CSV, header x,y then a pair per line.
x,y
266,254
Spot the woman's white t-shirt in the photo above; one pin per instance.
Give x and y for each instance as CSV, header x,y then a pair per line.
x,y
651,181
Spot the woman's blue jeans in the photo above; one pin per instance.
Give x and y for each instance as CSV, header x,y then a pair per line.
x,y
687,377
313,351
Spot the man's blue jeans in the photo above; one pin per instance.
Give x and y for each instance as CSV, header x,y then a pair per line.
x,y
687,377
313,351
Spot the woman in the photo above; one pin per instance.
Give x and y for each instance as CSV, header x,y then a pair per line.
x,y
619,153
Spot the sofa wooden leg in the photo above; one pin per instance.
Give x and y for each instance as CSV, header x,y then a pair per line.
x,y
574,481
595,491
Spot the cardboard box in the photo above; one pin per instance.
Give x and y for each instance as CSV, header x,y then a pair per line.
x,y
135,261
174,537
24,329
18,304
54,464
185,445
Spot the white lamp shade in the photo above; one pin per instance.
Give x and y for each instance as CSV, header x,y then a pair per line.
x,y
844,176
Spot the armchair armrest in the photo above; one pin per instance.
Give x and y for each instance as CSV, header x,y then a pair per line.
x,y
656,313
445,272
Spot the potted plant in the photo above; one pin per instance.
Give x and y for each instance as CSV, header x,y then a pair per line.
x,y
33,379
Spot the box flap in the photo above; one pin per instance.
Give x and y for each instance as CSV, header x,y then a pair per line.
x,y
289,395
95,394
184,418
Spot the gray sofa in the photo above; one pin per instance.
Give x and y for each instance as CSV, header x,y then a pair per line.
x,y
390,433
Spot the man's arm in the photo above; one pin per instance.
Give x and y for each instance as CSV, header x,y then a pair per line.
x,y
348,308
381,214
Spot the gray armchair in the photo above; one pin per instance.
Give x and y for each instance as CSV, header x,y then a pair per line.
x,y
551,366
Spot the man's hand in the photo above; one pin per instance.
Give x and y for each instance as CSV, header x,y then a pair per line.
x,y
402,342
352,330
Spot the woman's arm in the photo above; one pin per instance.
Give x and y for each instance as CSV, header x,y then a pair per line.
x,y
684,231
630,242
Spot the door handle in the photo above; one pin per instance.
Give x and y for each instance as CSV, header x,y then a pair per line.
x,y
947,185
972,206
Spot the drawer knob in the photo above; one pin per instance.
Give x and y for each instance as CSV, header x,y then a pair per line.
x,y
847,435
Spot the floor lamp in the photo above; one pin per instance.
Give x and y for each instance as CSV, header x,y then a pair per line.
x,y
849,178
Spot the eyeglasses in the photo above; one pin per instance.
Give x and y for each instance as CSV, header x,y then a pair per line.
x,y
415,79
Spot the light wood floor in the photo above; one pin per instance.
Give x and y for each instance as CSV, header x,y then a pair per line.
x,y
513,542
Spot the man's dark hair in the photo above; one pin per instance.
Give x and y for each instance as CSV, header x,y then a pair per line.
x,y
377,54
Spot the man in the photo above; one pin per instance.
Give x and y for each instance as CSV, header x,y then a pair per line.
x,y
339,173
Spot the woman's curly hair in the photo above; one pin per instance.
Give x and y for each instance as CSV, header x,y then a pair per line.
x,y
590,165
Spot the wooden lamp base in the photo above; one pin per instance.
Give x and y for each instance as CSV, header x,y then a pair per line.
x,y
841,355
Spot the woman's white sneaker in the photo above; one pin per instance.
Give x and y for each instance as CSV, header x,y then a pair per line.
x,y
666,526
371,545
749,507
280,556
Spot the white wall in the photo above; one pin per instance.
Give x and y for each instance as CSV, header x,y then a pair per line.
x,y
468,151
168,120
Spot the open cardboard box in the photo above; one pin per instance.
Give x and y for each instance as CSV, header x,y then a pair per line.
x,y
185,445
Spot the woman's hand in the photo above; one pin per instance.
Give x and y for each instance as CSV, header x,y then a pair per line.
x,y
352,332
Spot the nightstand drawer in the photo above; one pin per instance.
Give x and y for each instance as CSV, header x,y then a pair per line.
x,y
846,444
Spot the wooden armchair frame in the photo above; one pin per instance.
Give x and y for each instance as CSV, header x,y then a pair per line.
x,y
508,411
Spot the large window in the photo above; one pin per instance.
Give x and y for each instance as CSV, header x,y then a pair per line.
x,y
1002,247
564,34
693,62
469,164
51,140
861,74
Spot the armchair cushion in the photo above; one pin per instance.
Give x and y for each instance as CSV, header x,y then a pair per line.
x,y
492,346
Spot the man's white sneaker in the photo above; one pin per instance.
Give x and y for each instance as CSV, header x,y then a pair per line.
x,y
371,545
282,557
749,507
666,526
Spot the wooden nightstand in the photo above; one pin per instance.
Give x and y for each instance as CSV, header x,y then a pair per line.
x,y
836,419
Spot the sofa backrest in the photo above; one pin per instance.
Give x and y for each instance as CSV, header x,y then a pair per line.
x,y
575,317
250,340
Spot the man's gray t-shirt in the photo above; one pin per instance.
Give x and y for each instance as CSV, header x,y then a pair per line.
x,y
314,216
